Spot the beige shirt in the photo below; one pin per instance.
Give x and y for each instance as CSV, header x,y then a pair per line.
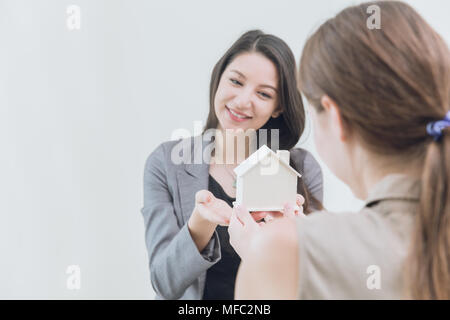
x,y
360,255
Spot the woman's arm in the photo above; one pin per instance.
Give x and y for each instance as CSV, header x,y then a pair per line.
x,y
312,175
270,268
174,259
208,213
201,230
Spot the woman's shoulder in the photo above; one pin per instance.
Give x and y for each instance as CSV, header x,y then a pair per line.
x,y
167,146
304,159
158,159
158,154
328,229
165,149
310,170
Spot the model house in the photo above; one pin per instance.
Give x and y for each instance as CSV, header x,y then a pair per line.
x,y
265,181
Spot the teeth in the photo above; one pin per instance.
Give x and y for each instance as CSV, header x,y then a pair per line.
x,y
237,115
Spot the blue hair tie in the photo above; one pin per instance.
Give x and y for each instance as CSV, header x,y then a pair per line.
x,y
434,129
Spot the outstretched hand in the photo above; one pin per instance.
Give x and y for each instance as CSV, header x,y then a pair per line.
x,y
217,210
290,211
212,209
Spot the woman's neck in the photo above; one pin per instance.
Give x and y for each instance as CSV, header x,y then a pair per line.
x,y
370,169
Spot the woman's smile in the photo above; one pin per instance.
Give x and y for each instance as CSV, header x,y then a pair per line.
x,y
237,116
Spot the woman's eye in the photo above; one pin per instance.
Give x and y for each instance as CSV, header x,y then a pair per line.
x,y
233,81
265,95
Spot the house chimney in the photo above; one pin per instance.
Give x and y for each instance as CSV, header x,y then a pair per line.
x,y
283,155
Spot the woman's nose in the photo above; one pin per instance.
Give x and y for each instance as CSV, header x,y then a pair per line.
x,y
244,100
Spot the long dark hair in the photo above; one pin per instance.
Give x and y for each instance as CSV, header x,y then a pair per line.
x,y
389,84
291,121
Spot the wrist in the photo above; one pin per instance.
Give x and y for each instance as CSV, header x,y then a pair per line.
x,y
197,222
201,230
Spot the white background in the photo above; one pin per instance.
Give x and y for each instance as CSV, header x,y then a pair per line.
x,y
81,110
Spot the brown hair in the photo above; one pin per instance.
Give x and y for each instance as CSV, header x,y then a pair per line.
x,y
389,83
291,121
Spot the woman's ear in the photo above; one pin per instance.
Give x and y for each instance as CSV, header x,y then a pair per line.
x,y
334,117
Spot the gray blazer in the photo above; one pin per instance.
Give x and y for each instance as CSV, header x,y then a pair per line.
x,y
177,268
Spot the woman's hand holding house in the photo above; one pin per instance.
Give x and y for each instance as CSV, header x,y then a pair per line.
x,y
290,210
219,212
243,227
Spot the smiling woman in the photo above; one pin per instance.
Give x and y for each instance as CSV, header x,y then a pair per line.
x,y
242,101
187,207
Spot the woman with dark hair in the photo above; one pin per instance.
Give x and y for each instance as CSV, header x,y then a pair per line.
x,y
187,204
380,102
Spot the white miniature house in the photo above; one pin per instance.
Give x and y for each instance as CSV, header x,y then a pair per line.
x,y
265,181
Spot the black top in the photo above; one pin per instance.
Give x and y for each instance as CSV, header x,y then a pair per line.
x,y
221,277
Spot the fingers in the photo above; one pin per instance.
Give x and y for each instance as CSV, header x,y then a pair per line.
x,y
234,228
234,219
223,209
274,215
289,210
203,196
269,217
300,200
206,212
244,216
258,215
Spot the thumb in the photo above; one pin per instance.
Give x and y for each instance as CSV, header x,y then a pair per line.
x,y
203,196
300,200
244,215
289,210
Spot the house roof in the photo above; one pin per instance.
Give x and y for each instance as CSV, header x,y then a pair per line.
x,y
257,157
